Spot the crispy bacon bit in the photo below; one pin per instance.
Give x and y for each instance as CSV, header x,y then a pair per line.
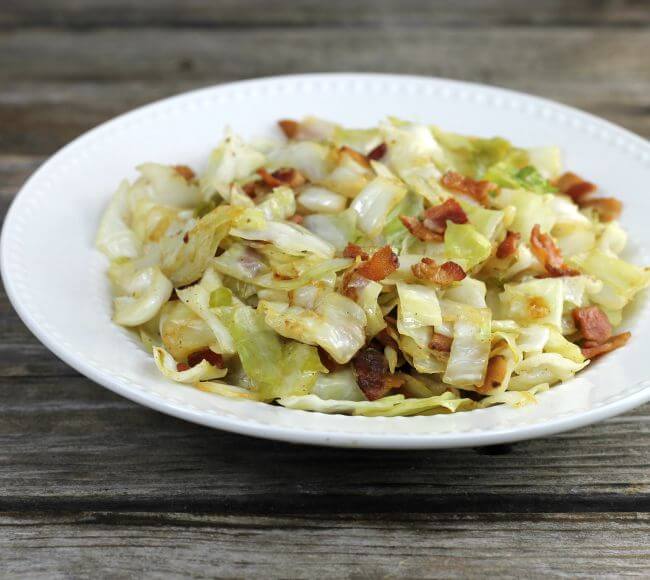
x,y
440,342
549,254
296,219
574,186
180,367
495,373
509,245
353,250
185,172
591,349
428,269
371,369
289,128
592,323
415,226
478,190
186,237
436,217
607,208
355,155
285,176
249,188
195,358
378,152
381,264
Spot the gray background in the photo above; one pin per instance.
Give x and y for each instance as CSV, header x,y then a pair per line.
x,y
93,485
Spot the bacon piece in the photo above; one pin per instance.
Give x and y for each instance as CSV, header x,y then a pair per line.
x,y
495,373
436,217
387,337
607,208
378,152
355,155
440,342
592,323
428,269
185,172
381,264
574,186
186,237
549,254
353,250
195,358
296,219
180,367
289,127
509,245
478,190
371,369
284,176
415,226
592,350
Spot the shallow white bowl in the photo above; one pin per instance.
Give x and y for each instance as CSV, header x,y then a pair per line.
x,y
56,279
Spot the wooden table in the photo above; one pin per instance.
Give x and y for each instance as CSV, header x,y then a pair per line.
x,y
92,485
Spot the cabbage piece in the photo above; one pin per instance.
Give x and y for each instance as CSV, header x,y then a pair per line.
x,y
290,238
470,348
279,204
338,229
321,200
203,371
535,301
231,161
465,245
240,262
420,357
418,307
568,213
486,221
547,160
169,187
445,402
198,298
515,399
230,391
274,368
409,146
367,299
323,272
533,338
349,177
531,209
114,237
526,178
313,160
314,403
560,345
146,291
338,385
362,140
182,331
612,239
337,324
374,203
547,367
394,231
574,239
183,262
468,291
621,280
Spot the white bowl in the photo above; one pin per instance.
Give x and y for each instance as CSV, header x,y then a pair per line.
x,y
56,279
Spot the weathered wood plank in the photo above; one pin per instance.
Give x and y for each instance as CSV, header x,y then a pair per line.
x,y
73,445
260,13
124,545
517,54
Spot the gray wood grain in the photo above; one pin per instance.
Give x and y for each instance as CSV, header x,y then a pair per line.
x,y
124,545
